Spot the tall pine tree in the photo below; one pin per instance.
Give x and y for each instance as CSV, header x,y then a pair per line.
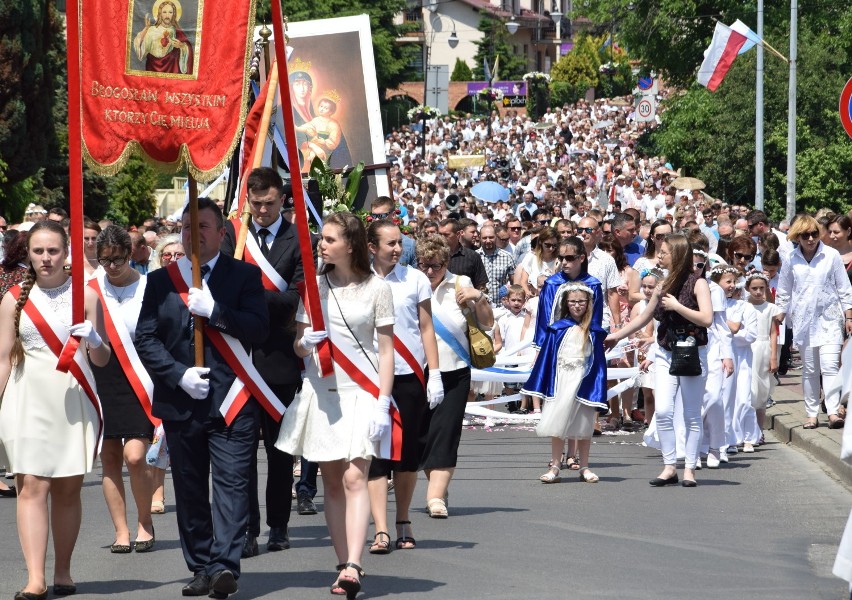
x,y
495,42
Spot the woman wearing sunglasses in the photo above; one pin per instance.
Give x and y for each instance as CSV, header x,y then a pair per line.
x,y
540,261
740,253
814,289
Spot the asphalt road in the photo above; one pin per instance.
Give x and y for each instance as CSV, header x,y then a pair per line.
x,y
765,526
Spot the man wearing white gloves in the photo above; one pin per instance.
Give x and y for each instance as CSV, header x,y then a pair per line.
x,y
188,398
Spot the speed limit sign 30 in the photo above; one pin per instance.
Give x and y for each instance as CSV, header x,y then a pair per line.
x,y
645,110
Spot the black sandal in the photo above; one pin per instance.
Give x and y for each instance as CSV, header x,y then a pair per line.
x,y
380,547
336,590
349,584
403,539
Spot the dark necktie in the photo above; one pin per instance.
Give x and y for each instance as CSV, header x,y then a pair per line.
x,y
205,269
261,237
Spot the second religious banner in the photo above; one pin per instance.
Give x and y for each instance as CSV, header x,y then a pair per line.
x,y
164,77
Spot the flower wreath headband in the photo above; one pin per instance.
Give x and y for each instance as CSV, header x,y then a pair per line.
x,y
724,270
578,287
757,275
652,272
701,253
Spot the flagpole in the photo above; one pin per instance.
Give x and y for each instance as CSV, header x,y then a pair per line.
x,y
75,161
758,125
194,257
257,154
311,297
791,112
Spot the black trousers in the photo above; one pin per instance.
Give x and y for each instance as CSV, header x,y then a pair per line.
x,y
211,536
279,479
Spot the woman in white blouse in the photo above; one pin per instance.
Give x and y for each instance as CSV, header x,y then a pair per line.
x,y
445,422
814,288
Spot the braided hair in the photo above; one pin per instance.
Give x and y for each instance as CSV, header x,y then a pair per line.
x,y
27,285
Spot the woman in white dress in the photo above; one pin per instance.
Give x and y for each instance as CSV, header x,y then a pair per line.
x,y
335,421
49,426
414,331
540,261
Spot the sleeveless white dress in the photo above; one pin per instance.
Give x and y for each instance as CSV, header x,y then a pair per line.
x,y
48,425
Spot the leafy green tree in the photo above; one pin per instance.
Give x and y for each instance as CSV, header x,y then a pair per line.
x,y
575,72
461,72
131,193
494,43
392,59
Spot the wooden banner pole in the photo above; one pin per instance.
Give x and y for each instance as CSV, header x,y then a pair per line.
x,y
198,323
75,162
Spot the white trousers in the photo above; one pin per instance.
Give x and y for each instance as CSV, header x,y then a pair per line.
x,y
691,395
820,361
712,411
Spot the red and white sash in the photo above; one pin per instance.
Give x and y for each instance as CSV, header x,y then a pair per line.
x,y
55,335
272,280
248,381
364,373
402,342
125,351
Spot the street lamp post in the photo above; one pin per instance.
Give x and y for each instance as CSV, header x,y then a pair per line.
x,y
452,42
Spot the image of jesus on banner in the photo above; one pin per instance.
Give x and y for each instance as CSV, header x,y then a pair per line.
x,y
163,45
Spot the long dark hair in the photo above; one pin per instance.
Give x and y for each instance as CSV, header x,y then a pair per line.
x,y
610,243
353,232
15,249
650,244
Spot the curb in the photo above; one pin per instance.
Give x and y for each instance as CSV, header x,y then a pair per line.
x,y
785,419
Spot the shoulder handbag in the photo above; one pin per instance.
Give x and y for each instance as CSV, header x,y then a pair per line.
x,y
481,346
685,360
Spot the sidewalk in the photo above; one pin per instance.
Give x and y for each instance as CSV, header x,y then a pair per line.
x,y
822,444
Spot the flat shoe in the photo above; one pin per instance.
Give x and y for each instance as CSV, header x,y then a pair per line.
x,y
660,482
586,476
63,589
22,595
120,549
437,508
9,493
688,483
836,423
158,507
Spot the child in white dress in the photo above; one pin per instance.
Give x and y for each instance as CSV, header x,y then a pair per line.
x,y
765,348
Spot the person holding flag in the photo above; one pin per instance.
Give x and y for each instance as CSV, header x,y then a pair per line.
x,y
209,413
126,391
272,244
343,420
50,420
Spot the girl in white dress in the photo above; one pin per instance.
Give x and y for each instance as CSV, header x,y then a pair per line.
x,y
765,348
567,416
49,426
649,280
335,421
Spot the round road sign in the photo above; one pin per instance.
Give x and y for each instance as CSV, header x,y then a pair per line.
x,y
846,107
645,109
646,83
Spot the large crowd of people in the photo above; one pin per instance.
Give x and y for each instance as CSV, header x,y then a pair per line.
x,y
593,243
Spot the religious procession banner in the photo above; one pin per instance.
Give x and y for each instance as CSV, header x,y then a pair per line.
x,y
165,78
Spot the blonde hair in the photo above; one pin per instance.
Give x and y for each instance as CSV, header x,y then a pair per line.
x,y
802,224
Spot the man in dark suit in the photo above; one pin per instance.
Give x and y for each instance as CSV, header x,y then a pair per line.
x,y
276,244
188,398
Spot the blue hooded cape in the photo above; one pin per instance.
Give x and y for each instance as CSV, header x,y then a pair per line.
x,y
549,336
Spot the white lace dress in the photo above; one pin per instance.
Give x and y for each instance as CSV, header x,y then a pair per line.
x,y
564,416
329,419
48,426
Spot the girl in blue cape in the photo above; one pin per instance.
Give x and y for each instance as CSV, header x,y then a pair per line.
x,y
569,376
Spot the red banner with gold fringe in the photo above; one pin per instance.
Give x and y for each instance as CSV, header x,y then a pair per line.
x,y
166,78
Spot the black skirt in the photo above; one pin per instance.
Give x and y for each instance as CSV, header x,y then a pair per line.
x,y
410,398
444,424
123,413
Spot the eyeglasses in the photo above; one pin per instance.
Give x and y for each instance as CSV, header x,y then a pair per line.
x,y
809,235
698,265
543,221
384,215
515,228
660,236
742,256
116,261
434,268
586,229
568,257
578,302
172,255
549,245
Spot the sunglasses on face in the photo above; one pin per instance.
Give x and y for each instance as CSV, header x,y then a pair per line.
x,y
116,262
380,216
586,229
515,228
742,256
699,265
810,235
173,254
543,221
549,245
660,236
568,257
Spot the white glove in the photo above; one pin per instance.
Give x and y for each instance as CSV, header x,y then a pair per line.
x,y
86,331
311,338
434,389
380,421
201,302
194,384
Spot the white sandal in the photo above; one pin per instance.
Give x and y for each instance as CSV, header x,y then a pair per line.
x,y
552,475
437,508
587,476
